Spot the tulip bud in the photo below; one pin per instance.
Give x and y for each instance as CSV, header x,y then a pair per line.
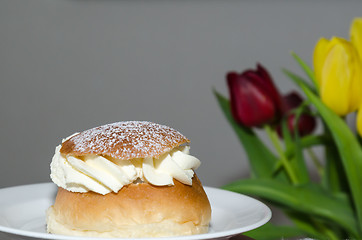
x,y
306,122
338,70
254,99
291,101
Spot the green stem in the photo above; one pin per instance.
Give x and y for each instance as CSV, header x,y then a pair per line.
x,y
306,142
316,161
275,141
309,141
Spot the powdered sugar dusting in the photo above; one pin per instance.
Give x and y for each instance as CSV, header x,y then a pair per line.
x,y
125,140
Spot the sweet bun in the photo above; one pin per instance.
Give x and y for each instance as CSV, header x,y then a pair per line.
x,y
138,209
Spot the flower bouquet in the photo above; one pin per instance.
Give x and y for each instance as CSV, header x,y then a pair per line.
x,y
331,206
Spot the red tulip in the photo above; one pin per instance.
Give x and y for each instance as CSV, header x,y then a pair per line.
x,y
254,99
291,101
306,122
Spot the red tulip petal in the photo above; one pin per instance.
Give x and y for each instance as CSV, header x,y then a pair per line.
x,y
306,124
269,85
250,104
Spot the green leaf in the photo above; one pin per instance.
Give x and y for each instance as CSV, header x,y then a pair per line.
x,y
270,232
260,158
299,164
306,69
314,227
297,79
307,199
334,177
348,148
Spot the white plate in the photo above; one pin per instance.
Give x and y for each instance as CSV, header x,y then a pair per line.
x,y
22,213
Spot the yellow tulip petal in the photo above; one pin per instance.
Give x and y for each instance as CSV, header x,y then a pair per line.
x,y
359,121
355,96
339,73
319,55
352,65
356,34
340,77
334,87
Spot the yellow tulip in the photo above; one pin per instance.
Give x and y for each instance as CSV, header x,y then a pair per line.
x,y
356,35
356,39
338,71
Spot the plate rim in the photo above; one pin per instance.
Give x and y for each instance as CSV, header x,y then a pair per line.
x,y
212,235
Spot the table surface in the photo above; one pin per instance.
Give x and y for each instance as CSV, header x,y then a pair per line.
x,y
241,237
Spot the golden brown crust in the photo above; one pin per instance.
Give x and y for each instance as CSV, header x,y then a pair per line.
x,y
134,204
124,140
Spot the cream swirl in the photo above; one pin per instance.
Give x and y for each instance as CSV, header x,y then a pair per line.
x,y
104,175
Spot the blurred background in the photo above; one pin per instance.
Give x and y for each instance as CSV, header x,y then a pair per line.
x,y
70,65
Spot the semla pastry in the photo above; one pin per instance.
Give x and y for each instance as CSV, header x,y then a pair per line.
x,y
127,179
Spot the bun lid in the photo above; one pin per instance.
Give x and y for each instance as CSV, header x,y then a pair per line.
x,y
124,140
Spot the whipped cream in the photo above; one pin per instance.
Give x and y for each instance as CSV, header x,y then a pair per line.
x,y
105,174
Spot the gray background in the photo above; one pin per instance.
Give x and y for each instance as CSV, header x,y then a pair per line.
x,y
67,66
